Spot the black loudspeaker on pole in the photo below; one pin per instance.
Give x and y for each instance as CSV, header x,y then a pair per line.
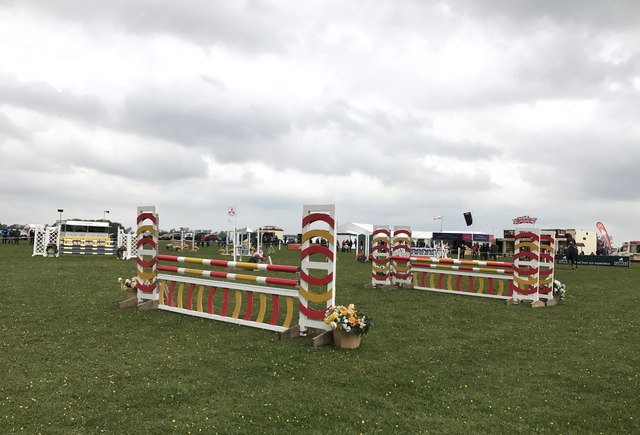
x,y
468,218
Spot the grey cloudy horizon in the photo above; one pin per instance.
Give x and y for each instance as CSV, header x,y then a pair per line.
x,y
394,111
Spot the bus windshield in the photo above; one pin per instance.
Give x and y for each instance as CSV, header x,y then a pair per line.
x,y
85,229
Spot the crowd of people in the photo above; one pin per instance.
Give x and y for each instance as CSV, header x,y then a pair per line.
x,y
347,245
13,235
481,251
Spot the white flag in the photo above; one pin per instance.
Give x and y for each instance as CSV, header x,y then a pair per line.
x,y
437,218
231,213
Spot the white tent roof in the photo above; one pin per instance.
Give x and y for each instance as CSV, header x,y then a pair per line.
x,y
421,234
355,228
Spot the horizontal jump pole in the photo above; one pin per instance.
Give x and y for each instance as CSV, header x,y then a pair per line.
x,y
229,276
88,253
82,239
103,247
420,259
230,264
465,293
87,242
461,268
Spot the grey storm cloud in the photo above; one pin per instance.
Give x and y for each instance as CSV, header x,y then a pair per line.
x,y
8,129
589,13
200,21
45,99
192,120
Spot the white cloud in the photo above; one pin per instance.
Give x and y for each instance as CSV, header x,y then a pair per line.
x,y
395,111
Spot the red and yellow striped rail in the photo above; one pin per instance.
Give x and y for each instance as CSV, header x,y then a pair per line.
x,y
465,268
229,276
420,259
240,298
231,264
469,277
242,304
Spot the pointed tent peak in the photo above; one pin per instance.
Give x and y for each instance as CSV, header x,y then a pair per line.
x,y
355,228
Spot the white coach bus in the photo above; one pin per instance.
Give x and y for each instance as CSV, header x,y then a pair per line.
x,y
85,229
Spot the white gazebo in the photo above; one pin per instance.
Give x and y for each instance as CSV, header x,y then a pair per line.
x,y
353,231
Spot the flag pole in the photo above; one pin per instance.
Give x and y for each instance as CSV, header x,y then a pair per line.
x,y
441,220
235,234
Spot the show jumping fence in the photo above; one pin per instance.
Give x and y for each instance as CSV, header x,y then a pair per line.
x,y
528,278
191,291
467,277
259,301
88,246
44,238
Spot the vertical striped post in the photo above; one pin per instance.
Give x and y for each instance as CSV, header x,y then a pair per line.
x,y
317,266
380,253
401,248
548,249
526,265
147,256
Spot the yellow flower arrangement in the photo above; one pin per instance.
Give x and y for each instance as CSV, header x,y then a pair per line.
x,y
127,283
348,319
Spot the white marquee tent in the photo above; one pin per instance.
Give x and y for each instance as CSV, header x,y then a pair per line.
x,y
354,228
352,231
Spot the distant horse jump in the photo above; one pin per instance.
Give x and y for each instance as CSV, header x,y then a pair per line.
x,y
528,278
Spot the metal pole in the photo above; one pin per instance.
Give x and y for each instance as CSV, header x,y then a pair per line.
x,y
235,235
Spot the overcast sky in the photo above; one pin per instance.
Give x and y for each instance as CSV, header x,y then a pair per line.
x,y
396,111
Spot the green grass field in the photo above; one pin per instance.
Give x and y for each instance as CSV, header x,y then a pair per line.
x,y
72,362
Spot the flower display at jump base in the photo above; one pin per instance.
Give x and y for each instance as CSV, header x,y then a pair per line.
x,y
559,290
127,283
347,319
